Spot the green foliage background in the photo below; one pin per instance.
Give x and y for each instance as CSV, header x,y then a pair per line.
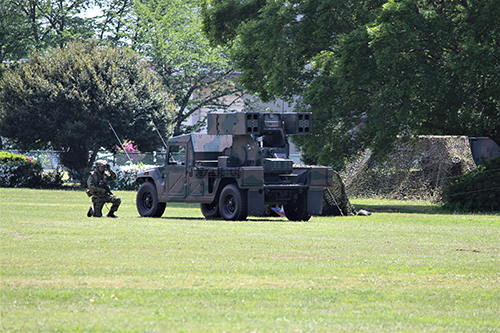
x,y
165,34
198,76
370,71
476,191
66,99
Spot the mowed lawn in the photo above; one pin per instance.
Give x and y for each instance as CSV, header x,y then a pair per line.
x,y
406,268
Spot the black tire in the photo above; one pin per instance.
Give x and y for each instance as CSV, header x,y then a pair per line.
x,y
147,201
233,203
211,210
297,210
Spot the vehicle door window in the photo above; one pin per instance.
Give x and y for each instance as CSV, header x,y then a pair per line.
x,y
177,155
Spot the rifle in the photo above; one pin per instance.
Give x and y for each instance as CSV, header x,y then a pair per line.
x,y
103,184
106,187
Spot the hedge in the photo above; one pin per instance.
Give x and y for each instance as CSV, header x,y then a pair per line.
x,y
20,171
476,191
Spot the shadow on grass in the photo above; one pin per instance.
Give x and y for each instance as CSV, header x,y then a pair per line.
x,y
408,209
416,209
250,219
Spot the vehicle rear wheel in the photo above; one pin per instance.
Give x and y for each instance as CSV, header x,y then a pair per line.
x,y
297,210
233,203
147,201
211,210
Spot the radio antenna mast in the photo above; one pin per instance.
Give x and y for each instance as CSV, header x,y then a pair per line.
x,y
283,98
161,138
117,138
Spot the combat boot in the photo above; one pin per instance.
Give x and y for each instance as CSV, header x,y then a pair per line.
x,y
90,212
112,215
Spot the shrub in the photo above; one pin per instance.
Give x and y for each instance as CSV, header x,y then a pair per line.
x,y
20,171
476,191
126,177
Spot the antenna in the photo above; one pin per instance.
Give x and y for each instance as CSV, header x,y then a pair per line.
x,y
161,138
117,138
283,98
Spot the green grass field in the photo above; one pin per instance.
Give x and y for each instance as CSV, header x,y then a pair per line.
x,y
409,267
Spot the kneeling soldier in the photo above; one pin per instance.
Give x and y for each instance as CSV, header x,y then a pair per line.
x,y
99,189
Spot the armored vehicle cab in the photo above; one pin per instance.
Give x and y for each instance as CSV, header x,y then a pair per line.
x,y
240,167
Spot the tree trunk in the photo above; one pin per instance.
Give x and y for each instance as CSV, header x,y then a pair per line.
x,y
92,157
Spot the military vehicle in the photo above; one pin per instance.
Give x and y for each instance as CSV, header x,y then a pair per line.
x,y
240,167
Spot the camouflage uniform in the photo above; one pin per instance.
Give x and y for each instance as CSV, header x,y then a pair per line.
x,y
99,189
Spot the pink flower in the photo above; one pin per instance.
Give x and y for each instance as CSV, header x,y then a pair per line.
x,y
129,147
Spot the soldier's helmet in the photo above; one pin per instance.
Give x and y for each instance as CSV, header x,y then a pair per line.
x,y
100,163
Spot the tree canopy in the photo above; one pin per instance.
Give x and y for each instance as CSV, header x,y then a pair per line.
x,y
39,24
67,98
166,32
80,88
27,25
10,31
369,70
199,76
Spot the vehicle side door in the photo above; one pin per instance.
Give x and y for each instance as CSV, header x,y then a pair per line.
x,y
175,169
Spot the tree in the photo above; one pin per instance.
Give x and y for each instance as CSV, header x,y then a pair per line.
x,y
44,24
113,23
420,68
276,41
67,98
50,23
12,32
60,21
168,32
280,48
370,70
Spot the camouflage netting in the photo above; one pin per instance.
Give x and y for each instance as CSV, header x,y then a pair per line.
x,y
417,170
335,200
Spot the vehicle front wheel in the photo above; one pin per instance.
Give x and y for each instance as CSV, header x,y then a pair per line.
x,y
211,210
147,201
233,203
